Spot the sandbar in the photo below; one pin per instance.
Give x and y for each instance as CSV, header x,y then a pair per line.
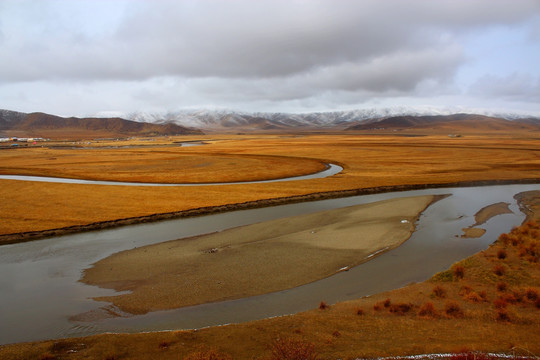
x,y
254,259
482,216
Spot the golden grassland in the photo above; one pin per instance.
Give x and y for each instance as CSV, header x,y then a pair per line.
x,y
254,259
487,302
368,161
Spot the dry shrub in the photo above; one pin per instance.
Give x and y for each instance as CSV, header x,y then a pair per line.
x,y
500,303
537,303
439,291
503,315
509,298
382,304
458,271
428,310
323,305
359,312
208,354
483,295
531,294
501,286
401,308
289,349
452,309
473,297
499,270
501,254
504,238
336,334
465,290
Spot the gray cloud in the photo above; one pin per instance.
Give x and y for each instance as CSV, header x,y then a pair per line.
x,y
173,53
514,86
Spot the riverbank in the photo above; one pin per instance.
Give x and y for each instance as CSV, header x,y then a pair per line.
x,y
254,259
207,210
474,306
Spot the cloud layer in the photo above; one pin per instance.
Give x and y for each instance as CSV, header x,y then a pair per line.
x,y
172,54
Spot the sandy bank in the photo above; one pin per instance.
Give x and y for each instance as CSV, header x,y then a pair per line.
x,y
482,216
254,259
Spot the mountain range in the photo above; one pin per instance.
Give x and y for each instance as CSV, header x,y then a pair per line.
x,y
38,124
196,122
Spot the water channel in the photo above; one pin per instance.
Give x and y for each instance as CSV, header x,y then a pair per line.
x,y
40,292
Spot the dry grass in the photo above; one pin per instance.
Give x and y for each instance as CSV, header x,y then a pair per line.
x,y
369,161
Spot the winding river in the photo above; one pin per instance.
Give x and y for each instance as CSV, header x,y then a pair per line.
x,y
40,291
331,169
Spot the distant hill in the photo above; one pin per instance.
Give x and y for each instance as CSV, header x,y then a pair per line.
x,y
225,121
50,126
455,122
362,120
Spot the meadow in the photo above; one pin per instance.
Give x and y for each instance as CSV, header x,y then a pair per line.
x,y
369,161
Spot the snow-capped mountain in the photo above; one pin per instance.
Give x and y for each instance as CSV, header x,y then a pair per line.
x,y
222,120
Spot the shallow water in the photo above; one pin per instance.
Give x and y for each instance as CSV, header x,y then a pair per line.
x,y
40,290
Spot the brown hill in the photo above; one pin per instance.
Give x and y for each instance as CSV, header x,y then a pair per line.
x,y
456,122
51,126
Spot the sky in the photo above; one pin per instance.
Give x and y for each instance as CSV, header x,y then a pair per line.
x,y
88,57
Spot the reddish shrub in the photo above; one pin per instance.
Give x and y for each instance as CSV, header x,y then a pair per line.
x,y
377,307
537,303
428,310
499,270
504,238
288,349
483,295
465,290
509,298
336,334
386,303
473,297
500,303
323,305
501,286
531,294
359,312
458,271
502,315
47,356
452,309
501,254
400,309
439,291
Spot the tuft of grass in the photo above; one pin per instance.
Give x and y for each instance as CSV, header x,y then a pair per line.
x,y
439,292
323,305
503,315
47,356
500,303
502,286
501,254
531,294
452,309
499,270
458,271
401,308
360,312
289,349
428,310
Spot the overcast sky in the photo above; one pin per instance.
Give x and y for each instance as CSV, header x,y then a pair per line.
x,y
84,57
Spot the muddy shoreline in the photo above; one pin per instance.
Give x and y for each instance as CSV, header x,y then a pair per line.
x,y
35,235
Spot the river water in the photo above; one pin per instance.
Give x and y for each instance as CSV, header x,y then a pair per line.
x,y
331,169
40,292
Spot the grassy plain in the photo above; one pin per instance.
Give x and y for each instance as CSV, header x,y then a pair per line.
x,y
473,306
369,160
